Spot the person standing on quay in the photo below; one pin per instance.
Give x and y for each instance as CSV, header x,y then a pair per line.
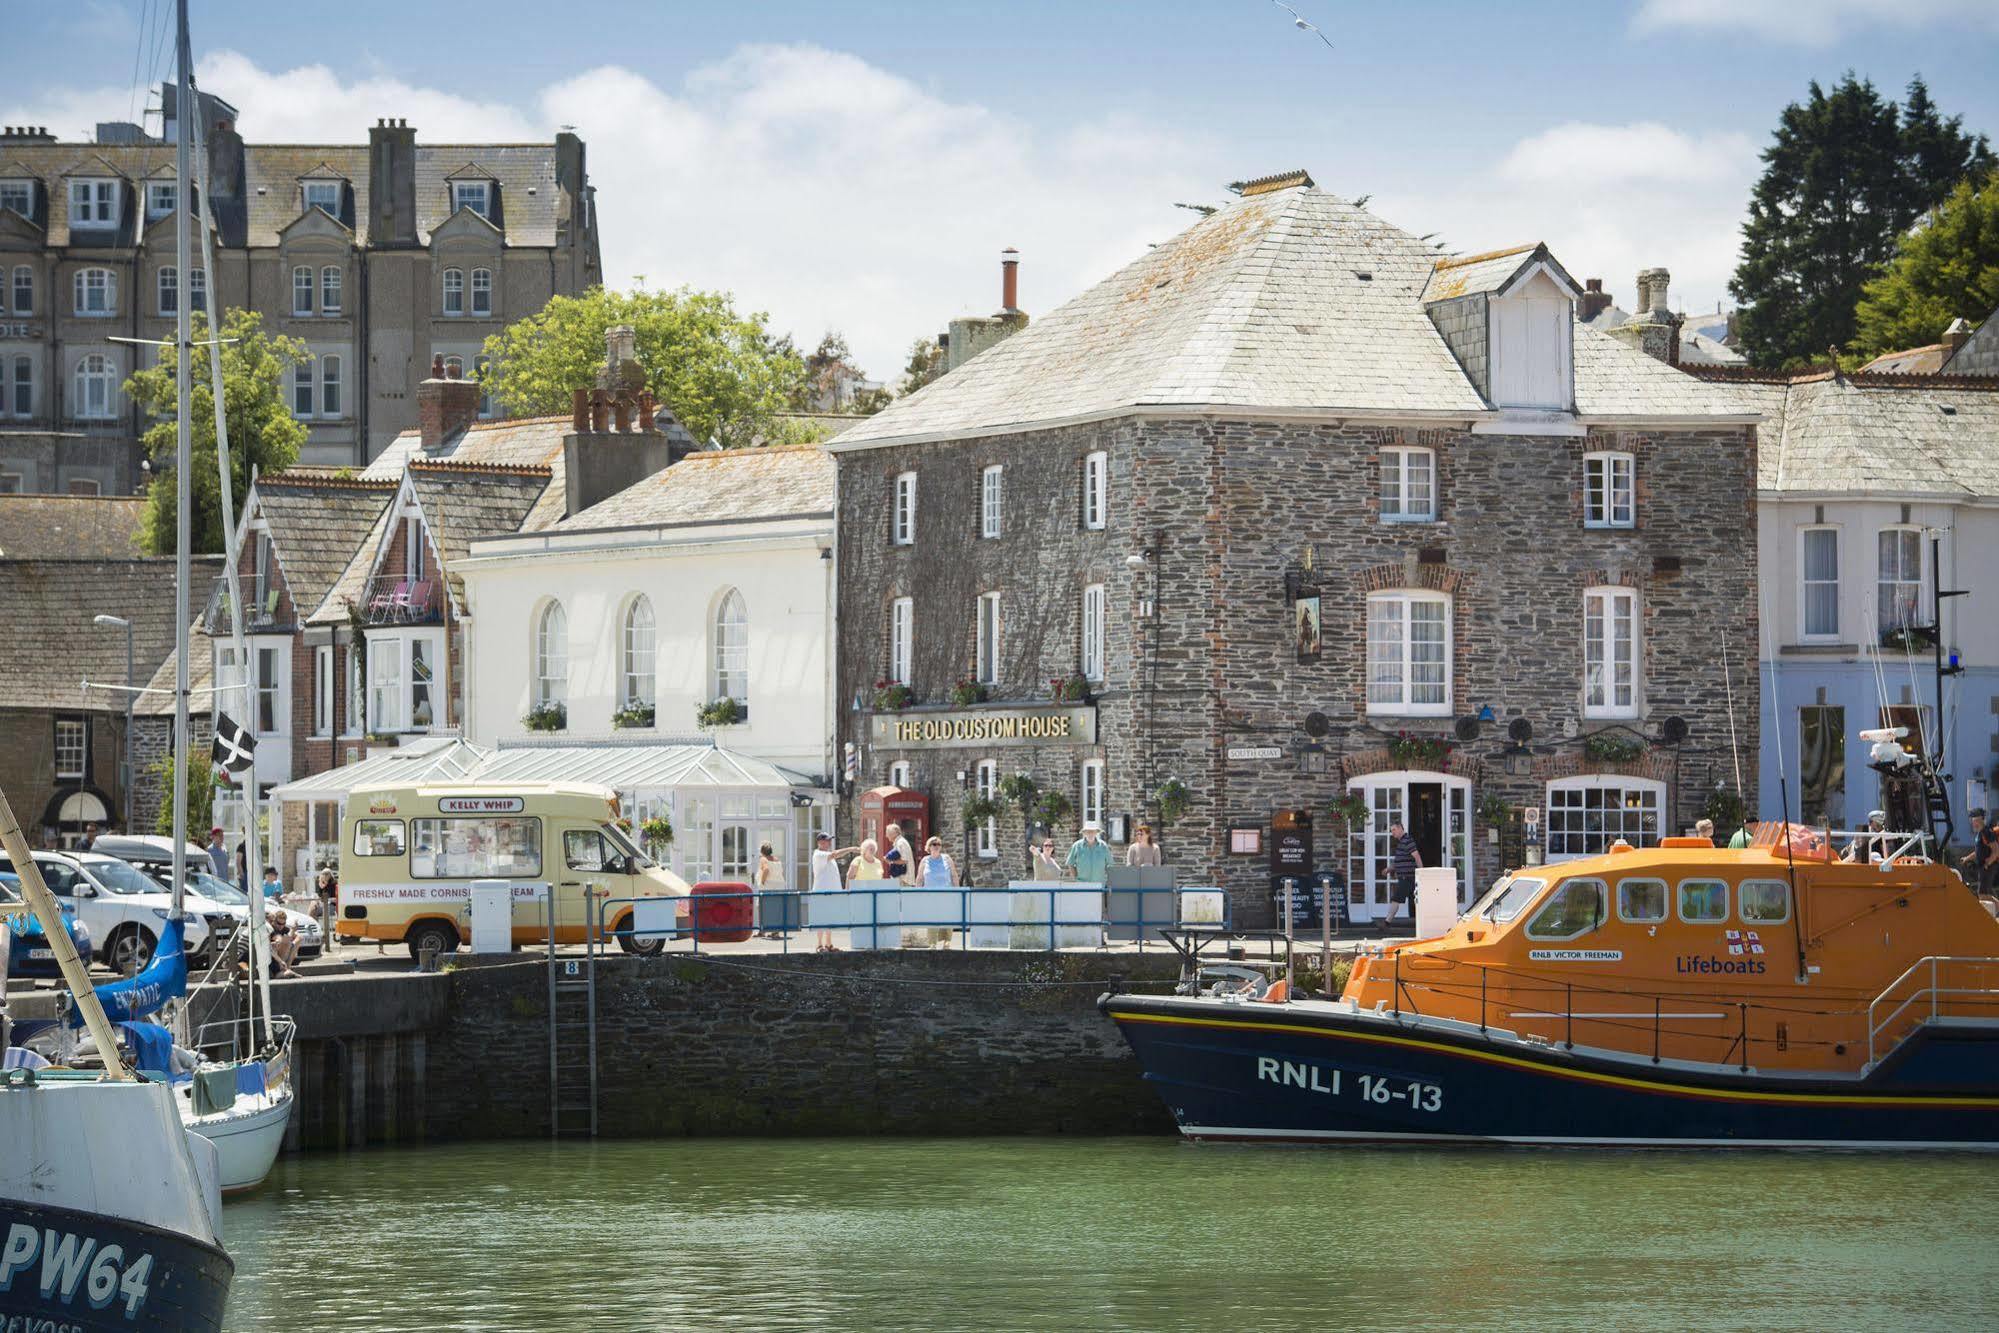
x,y
768,879
1404,859
1984,853
1090,856
826,877
218,855
1143,850
899,856
1045,864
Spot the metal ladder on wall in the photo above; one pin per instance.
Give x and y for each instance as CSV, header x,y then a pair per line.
x,y
572,1029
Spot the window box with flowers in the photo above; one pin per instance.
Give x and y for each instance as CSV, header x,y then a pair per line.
x,y
892,696
722,712
546,717
967,691
1607,747
1410,751
1070,689
633,714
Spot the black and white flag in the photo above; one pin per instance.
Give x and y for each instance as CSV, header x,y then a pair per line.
x,y
235,747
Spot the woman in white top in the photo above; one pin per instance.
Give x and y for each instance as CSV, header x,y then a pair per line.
x,y
768,878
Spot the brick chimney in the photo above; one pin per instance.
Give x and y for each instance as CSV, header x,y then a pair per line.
x,y
1594,300
619,435
392,184
446,404
1653,328
1009,280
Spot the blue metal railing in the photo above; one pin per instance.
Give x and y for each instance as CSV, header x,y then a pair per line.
x,y
793,912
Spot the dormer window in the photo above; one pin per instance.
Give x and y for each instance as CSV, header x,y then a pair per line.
x,y
1530,346
93,203
475,195
18,196
160,197
324,196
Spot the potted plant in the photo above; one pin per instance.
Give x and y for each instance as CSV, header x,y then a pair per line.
x,y
892,696
1073,688
548,715
1607,747
1412,751
1171,801
721,712
635,713
656,833
1910,638
967,691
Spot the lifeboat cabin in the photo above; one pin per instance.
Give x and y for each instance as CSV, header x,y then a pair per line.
x,y
1778,994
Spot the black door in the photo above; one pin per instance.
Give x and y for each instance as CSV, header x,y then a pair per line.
x,y
1426,820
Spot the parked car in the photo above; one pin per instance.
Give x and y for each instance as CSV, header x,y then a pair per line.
x,y
28,951
154,855
123,908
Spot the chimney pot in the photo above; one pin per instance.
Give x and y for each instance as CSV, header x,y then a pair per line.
x,y
437,366
579,410
1009,279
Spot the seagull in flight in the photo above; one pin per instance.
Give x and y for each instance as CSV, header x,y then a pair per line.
x,y
1298,21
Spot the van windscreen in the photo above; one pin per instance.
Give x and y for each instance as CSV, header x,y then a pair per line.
x,y
507,847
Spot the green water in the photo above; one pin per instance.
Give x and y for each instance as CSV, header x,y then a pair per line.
x,y
1110,1234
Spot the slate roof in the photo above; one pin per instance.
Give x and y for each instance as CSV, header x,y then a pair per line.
x,y
1617,382
159,700
462,502
725,484
1856,434
1697,347
70,527
316,524
50,646
1453,277
351,588
271,174
1909,361
1287,301
529,440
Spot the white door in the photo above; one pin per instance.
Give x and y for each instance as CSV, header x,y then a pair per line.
x,y
1444,799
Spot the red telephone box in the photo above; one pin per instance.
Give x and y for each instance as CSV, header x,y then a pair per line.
x,y
882,806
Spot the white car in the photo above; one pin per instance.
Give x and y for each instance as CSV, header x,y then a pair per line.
x,y
125,910
154,855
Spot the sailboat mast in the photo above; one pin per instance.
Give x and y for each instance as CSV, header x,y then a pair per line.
x,y
183,519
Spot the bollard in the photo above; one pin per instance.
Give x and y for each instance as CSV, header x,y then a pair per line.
x,y
1289,943
428,961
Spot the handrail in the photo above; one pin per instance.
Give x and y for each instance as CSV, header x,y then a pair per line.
x,y
1934,991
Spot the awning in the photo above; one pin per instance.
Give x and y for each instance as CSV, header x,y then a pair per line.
x,y
628,766
430,759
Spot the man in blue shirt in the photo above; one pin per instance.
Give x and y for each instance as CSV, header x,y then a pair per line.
x,y
1090,856
218,855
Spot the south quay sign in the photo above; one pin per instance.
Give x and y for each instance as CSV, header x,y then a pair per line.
x,y
985,726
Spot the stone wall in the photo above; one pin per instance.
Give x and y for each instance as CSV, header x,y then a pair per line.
x,y
1223,511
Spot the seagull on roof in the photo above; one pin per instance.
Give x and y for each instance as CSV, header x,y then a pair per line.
x,y
1298,21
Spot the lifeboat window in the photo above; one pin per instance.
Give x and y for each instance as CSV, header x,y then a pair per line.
x,y
1577,908
1765,902
1510,897
1641,900
1703,900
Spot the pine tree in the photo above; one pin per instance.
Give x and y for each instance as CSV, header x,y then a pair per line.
x,y
1942,270
1843,178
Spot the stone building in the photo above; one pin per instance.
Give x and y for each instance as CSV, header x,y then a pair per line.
x,y
1287,511
378,257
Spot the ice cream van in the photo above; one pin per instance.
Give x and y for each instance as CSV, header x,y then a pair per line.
x,y
410,855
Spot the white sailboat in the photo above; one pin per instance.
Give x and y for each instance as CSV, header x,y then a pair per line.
x,y
110,1208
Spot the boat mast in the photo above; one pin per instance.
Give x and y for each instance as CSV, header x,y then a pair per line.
x,y
183,348
193,124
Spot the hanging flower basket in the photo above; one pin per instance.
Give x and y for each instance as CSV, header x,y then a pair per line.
x,y
1054,808
1493,809
1018,789
656,833
1350,810
1172,799
979,809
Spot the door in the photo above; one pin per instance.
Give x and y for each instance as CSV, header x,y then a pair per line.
x,y
591,871
1426,821
1435,808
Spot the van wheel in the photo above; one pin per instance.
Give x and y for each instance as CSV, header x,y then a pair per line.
x,y
438,935
632,944
129,949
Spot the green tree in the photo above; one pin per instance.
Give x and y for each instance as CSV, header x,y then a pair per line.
x,y
1843,178
926,363
1942,270
723,374
200,793
263,434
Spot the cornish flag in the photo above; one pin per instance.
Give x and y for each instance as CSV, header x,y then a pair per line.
x,y
235,748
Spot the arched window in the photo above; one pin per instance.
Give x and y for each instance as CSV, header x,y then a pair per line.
x,y
96,292
640,648
551,656
482,291
454,291
169,290
96,383
732,648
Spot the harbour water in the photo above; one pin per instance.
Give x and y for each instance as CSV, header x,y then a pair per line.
x,y
1109,1234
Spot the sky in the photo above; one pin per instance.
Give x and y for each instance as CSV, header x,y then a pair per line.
x,y
858,166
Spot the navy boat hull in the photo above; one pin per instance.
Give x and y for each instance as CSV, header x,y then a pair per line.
x,y
1307,1073
64,1271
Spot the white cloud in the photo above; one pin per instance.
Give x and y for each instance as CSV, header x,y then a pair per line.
x,y
1609,200
823,189
1809,22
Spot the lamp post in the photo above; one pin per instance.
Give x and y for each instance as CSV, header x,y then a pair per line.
x,y
125,759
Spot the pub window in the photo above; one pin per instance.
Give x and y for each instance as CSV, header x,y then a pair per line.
x,y
904,530
990,484
899,774
1408,486
1609,499
988,830
1092,805
987,670
901,631
1409,653
1093,632
1096,490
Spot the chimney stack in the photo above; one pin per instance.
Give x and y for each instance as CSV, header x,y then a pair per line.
x,y
1954,337
392,183
1653,328
619,435
446,404
1594,300
1009,280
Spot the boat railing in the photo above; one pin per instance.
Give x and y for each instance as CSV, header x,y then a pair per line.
x,y
1904,1005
